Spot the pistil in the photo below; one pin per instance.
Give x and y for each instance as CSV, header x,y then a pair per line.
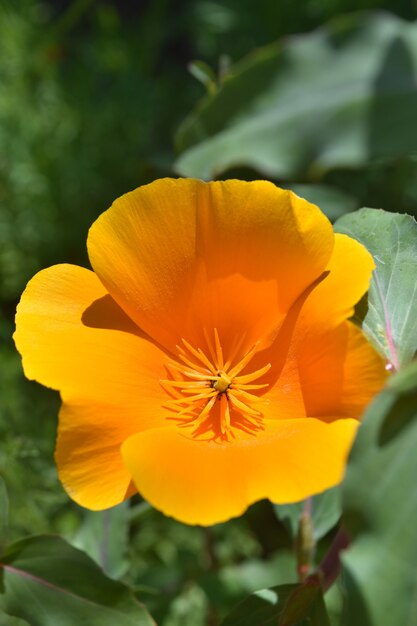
x,y
213,396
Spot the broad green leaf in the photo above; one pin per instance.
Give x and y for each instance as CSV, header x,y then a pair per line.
x,y
380,511
103,535
49,583
7,620
4,515
339,97
390,322
334,602
325,512
285,605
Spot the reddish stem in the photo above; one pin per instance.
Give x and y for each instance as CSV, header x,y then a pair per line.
x,y
329,568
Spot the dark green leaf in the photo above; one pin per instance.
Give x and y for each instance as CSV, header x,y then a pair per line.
x,y
339,97
285,605
204,74
390,322
103,535
49,583
380,509
4,515
325,511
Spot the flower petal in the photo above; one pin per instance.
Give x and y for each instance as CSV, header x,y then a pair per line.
x,y
321,364
75,338
328,375
205,482
340,372
182,255
333,300
88,457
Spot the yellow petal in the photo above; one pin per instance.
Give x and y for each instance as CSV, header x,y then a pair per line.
x,y
340,372
205,483
321,364
88,457
75,338
182,255
333,300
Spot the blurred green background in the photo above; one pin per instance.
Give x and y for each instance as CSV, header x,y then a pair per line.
x,y
92,95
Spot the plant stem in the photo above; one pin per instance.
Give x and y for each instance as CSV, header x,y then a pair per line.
x,y
305,543
329,568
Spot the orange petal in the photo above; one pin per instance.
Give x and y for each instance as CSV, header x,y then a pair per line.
x,y
322,365
333,300
182,255
75,338
88,457
205,482
339,372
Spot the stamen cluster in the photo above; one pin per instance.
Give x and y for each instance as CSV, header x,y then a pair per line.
x,y
211,394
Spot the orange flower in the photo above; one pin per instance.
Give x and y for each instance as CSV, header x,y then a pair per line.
x,y
207,361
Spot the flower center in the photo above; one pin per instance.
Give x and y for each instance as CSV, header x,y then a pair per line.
x,y
222,383
214,396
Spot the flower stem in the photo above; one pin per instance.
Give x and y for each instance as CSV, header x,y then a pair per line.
x,y
329,568
305,543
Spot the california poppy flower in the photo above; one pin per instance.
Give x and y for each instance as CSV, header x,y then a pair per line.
x,y
207,361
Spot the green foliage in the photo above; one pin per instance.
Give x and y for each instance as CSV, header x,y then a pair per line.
x,y
286,605
104,537
326,509
91,96
67,151
203,73
4,515
342,96
380,508
390,322
49,583
27,431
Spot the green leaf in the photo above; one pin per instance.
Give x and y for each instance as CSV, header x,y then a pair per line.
x,y
204,74
4,515
285,605
326,509
49,583
390,322
103,535
341,96
380,511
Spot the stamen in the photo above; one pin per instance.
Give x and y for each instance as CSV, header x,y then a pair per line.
x,y
253,386
249,377
243,407
219,351
240,393
198,379
189,373
200,396
206,410
239,367
224,415
183,383
200,355
190,363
